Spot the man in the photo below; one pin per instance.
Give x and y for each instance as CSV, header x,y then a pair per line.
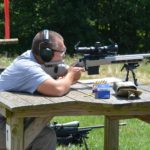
x,y
26,74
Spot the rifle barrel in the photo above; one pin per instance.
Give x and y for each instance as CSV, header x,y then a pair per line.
x,y
145,55
133,58
98,126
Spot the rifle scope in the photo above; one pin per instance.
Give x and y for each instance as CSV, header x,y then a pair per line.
x,y
97,49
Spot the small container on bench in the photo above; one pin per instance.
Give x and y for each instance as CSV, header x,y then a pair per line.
x,y
102,91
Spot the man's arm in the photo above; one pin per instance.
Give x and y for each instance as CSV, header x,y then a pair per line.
x,y
61,86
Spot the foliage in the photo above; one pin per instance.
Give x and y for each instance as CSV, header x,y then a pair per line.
x,y
125,22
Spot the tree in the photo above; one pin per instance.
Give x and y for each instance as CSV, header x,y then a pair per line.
x,y
125,22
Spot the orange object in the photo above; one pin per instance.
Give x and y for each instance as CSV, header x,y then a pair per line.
x,y
7,19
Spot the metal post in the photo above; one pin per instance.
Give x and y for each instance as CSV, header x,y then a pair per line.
x,y
7,19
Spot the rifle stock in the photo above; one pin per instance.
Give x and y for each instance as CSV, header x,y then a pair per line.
x,y
133,58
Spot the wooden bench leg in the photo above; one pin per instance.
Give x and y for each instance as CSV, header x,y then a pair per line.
x,y
34,129
111,133
14,133
2,134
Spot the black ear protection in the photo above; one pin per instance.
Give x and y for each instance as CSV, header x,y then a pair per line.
x,y
45,52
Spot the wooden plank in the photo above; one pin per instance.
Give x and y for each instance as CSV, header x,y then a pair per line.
x,y
60,109
61,99
11,100
84,96
87,90
34,129
144,87
113,99
2,111
9,41
34,99
2,135
17,100
79,96
111,134
84,108
14,133
145,118
39,100
71,102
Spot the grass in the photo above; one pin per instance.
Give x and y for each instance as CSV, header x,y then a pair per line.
x,y
134,136
5,61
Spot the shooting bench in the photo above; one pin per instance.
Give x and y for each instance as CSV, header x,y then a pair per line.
x,y
16,106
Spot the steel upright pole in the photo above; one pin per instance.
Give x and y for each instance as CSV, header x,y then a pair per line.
x,y
7,19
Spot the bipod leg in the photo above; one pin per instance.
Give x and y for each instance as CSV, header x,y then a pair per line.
x,y
126,67
130,67
127,75
84,141
134,78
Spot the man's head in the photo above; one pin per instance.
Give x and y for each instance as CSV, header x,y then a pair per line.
x,y
48,46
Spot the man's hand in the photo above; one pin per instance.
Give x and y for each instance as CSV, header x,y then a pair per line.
x,y
74,73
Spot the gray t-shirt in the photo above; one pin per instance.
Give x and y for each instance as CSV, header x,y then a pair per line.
x,y
24,74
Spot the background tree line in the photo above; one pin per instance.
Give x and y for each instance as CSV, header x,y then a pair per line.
x,y
125,22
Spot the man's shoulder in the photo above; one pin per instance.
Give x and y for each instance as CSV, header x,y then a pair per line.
x,y
26,60
26,56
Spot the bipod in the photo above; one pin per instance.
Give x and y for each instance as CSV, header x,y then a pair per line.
x,y
84,141
130,67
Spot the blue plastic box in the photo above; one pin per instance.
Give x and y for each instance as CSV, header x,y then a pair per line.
x,y
102,91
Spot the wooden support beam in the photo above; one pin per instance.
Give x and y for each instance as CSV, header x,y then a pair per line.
x,y
14,133
111,130
34,129
9,41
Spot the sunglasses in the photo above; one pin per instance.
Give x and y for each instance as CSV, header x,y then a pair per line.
x,y
62,52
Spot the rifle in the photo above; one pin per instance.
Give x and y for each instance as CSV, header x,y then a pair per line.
x,y
71,133
97,55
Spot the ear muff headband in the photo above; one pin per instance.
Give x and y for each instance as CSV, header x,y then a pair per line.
x,y
46,53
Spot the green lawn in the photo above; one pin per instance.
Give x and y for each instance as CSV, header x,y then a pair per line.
x,y
135,135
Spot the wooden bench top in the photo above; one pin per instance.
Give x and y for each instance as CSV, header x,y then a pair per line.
x,y
79,100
